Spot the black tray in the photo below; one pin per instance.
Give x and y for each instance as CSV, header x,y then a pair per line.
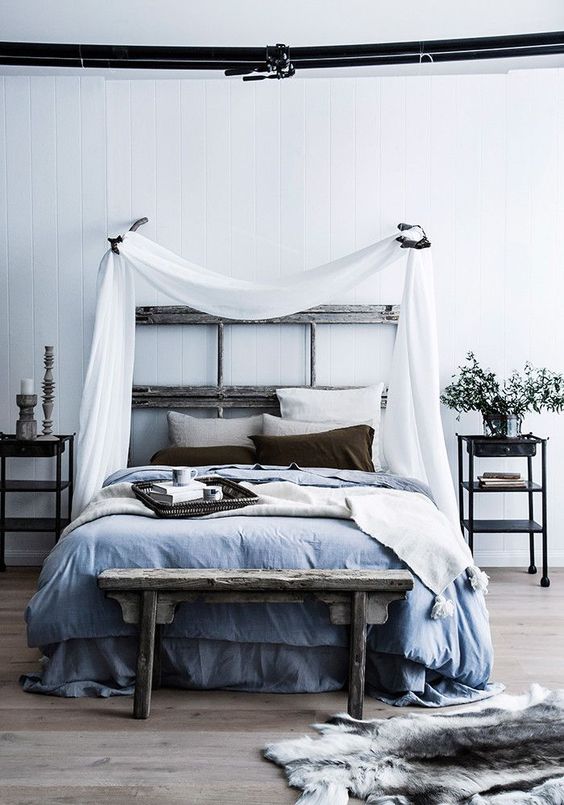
x,y
234,497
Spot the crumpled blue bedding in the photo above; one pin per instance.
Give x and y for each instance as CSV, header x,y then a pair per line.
x,y
268,647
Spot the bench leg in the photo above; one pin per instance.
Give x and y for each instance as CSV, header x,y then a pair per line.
x,y
145,655
157,662
357,655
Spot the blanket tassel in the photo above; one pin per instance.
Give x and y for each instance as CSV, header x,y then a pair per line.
x,y
479,580
442,608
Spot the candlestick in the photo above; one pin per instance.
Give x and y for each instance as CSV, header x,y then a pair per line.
x,y
48,391
26,386
26,426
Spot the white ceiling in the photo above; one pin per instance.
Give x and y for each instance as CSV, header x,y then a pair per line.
x,y
294,22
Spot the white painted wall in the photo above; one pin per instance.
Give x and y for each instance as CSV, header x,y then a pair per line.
x,y
258,180
252,23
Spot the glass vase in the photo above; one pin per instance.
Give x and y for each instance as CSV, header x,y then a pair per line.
x,y
502,426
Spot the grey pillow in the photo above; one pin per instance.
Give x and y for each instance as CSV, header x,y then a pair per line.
x,y
276,426
191,431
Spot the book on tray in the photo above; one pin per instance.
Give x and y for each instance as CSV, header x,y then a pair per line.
x,y
169,487
166,492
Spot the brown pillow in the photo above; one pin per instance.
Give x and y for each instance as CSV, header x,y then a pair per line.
x,y
204,456
342,448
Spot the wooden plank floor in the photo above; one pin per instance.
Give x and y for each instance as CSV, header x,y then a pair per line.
x,y
204,747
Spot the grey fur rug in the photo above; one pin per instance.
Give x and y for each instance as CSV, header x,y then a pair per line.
x,y
509,752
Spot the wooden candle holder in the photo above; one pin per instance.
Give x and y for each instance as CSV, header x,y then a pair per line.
x,y
48,392
26,426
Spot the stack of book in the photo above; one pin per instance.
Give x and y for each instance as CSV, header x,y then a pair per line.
x,y
491,480
167,492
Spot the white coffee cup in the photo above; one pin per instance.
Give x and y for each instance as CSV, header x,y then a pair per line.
x,y
213,493
181,476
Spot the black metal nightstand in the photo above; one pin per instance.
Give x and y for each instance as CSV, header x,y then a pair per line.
x,y
55,446
521,447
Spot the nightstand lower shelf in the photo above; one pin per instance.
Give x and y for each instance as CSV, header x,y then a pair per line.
x,y
503,526
51,448
33,486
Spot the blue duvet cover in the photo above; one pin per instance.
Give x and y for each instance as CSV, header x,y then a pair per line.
x,y
253,647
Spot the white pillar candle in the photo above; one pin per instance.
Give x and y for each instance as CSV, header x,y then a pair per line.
x,y
26,386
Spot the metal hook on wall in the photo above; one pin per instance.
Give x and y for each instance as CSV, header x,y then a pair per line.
x,y
133,228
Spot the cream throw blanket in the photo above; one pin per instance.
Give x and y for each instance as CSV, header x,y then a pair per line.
x,y
407,522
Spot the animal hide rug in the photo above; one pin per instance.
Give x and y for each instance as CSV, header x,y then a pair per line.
x,y
509,752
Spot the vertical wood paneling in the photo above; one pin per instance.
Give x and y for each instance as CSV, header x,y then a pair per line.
x,y
6,404
241,357
342,342
441,230
268,144
118,144
69,246
143,182
168,228
318,197
294,340
468,160
490,256
261,180
546,224
373,344
519,251
43,172
218,163
19,230
168,212
20,258
119,161
94,214
392,173
198,344
218,177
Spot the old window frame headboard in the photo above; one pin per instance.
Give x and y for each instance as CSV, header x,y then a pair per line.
x,y
262,398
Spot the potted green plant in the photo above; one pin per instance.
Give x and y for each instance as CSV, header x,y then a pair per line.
x,y
503,403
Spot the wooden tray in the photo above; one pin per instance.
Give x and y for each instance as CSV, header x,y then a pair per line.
x,y
235,496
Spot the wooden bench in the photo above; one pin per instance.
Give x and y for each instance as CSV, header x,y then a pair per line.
x,y
149,597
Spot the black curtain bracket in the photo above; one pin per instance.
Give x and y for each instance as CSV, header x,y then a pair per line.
x,y
133,228
114,243
406,243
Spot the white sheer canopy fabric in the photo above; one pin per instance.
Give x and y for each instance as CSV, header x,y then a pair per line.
x,y
413,438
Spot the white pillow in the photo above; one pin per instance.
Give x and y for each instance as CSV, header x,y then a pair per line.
x,y
276,426
336,405
192,431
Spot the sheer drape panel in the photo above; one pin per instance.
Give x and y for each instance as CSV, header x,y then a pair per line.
x,y
413,434
414,443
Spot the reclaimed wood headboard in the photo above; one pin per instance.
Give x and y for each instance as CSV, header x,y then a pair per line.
x,y
264,398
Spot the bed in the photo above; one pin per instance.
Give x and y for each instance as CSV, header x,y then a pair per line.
x,y
90,651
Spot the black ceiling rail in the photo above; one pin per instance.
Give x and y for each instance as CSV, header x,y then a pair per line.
x,y
460,45
156,57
